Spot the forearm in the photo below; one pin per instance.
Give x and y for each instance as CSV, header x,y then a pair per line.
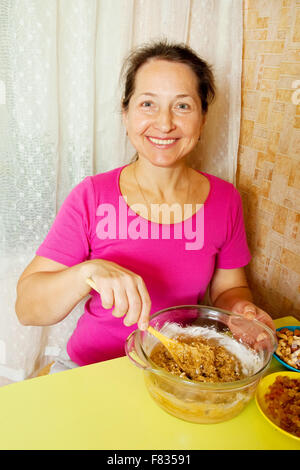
x,y
227,299
46,298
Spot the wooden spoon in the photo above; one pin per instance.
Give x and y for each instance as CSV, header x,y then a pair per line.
x,y
169,343
187,357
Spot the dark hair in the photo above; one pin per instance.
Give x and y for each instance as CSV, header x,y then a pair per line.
x,y
173,52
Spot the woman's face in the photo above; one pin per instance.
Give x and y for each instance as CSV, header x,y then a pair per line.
x,y
164,118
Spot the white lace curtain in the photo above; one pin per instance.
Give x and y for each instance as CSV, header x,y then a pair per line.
x,y
60,121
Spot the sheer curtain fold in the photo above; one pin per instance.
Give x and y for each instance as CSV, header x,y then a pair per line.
x,y
60,121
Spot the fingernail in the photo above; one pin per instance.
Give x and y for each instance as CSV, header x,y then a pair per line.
x,y
249,315
261,337
249,308
250,312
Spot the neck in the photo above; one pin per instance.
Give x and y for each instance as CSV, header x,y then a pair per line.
x,y
162,183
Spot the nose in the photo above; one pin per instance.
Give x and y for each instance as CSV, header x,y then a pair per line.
x,y
164,120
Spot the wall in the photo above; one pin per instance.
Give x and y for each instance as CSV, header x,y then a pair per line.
x,y
268,175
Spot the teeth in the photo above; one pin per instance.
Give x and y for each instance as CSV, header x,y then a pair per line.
x,y
162,142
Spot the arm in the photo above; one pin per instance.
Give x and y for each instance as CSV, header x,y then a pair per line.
x,y
47,291
229,290
229,286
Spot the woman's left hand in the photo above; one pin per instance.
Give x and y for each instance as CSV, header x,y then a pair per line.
x,y
251,311
253,336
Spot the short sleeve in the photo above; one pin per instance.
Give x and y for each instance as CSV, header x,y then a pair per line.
x,y
235,252
68,240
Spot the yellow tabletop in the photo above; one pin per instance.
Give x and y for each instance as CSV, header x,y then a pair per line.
x,y
106,406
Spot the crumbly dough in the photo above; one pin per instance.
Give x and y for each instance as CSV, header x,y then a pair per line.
x,y
215,363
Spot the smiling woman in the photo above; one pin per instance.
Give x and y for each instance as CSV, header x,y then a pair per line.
x,y
166,125
167,92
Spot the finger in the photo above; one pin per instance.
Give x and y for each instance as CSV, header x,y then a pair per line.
x,y
135,306
263,342
143,322
265,318
107,297
244,330
249,312
239,306
250,333
121,302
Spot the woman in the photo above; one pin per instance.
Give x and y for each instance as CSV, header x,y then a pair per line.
x,y
110,228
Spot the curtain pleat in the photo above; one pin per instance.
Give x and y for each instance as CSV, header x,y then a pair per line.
x,y
60,120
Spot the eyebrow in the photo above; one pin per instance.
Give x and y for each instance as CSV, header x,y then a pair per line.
x,y
177,96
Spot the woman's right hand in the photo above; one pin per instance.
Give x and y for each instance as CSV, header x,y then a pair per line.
x,y
121,288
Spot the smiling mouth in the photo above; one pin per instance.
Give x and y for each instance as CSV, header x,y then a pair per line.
x,y
163,142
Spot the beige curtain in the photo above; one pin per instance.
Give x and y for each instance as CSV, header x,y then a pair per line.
x,y
60,121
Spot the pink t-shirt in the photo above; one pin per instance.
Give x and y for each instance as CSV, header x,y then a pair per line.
x,y
176,261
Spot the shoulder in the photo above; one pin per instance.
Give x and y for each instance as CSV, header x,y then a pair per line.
x,y
222,190
105,186
219,183
106,178
93,184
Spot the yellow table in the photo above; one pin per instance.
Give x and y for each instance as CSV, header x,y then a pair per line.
x,y
106,406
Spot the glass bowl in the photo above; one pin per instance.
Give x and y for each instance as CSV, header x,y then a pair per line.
x,y
191,400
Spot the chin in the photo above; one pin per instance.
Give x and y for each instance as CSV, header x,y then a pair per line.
x,y
164,162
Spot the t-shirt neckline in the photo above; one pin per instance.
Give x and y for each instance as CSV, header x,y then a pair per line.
x,y
158,223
